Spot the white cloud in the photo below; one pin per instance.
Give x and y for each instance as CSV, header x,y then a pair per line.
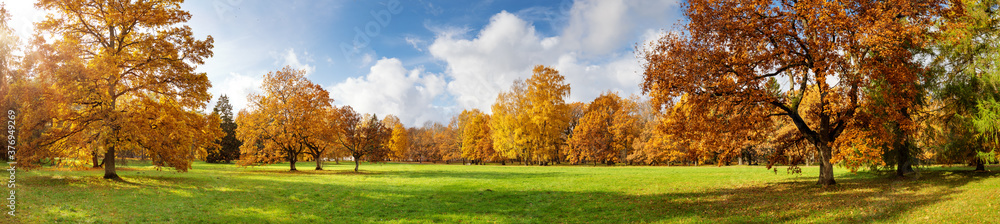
x,y
389,88
289,58
593,51
504,50
367,59
415,42
237,87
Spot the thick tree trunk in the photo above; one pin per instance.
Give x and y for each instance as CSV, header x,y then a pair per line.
x,y
292,164
903,164
319,164
825,167
109,164
980,165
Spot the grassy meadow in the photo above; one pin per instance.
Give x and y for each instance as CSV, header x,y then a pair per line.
x,y
423,193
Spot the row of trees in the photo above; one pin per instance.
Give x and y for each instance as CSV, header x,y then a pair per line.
x,y
869,84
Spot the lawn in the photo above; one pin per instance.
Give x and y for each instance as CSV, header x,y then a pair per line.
x,y
407,193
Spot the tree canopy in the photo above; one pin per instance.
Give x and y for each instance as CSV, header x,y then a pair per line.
x,y
729,53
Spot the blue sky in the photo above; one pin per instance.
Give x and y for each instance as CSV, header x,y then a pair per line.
x,y
420,60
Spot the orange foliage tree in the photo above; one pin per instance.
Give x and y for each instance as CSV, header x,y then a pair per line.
x,y
423,146
731,51
363,136
606,131
127,74
290,116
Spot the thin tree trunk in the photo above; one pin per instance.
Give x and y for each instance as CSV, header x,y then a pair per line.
x,y
109,164
95,160
902,153
355,164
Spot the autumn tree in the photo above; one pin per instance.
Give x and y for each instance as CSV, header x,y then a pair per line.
x,y
508,129
229,146
8,61
447,141
730,50
363,136
529,120
322,141
475,137
422,147
399,143
127,70
288,117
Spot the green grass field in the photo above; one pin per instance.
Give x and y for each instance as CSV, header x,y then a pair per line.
x,y
226,193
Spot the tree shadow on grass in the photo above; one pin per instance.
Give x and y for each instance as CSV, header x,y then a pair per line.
x,y
487,175
853,200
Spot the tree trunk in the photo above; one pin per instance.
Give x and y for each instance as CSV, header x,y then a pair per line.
x,y
109,164
95,160
292,164
902,152
825,167
355,164
980,165
903,165
319,164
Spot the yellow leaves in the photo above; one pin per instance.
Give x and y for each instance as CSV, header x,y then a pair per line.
x,y
475,139
528,121
399,140
122,83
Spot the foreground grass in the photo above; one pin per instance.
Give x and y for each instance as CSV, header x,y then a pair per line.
x,y
225,193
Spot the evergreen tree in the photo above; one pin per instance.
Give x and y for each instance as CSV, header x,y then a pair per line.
x,y
229,146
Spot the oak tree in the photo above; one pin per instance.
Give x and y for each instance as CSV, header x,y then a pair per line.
x,y
363,136
127,69
730,50
289,117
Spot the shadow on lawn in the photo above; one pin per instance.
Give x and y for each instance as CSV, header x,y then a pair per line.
x,y
853,200
485,175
